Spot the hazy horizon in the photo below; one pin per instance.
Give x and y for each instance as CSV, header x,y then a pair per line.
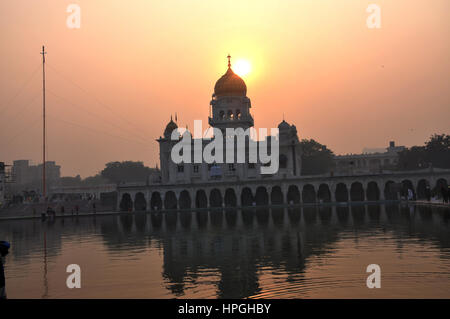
x,y
113,84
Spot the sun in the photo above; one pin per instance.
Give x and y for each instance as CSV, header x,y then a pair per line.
x,y
242,67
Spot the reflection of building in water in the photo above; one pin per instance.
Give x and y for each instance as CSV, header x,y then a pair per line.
x,y
370,161
232,249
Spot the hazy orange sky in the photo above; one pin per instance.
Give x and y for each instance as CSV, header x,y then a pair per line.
x,y
113,84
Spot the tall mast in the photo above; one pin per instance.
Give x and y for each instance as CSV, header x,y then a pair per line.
x,y
43,120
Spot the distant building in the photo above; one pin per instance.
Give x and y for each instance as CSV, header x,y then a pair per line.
x,y
370,161
29,177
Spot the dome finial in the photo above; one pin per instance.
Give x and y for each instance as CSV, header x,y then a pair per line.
x,y
229,61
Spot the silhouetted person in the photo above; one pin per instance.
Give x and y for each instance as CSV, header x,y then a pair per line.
x,y
4,249
76,209
62,210
94,208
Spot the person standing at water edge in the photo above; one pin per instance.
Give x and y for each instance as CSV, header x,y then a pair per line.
x,y
4,247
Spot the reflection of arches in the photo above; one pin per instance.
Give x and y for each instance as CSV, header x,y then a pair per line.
x,y
422,189
356,192
358,214
373,192
325,213
341,192
390,193
221,115
374,212
261,196
185,200
126,204
230,115
238,114
170,200
215,198
309,215
230,198
309,194
247,197
201,200
156,202
293,195
283,161
139,202
323,194
276,196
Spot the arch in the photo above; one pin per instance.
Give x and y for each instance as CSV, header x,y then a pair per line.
x,y
293,195
373,192
238,114
230,198
221,115
126,203
201,201
276,196
356,192
324,194
261,196
407,184
422,189
341,192
215,198
155,201
247,197
309,194
185,200
230,114
170,200
283,161
140,203
390,192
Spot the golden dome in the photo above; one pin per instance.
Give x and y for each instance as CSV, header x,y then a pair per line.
x,y
230,84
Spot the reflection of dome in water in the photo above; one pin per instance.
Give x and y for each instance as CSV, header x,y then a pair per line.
x,y
230,84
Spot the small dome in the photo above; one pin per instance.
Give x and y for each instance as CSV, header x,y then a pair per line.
x,y
170,127
230,84
284,125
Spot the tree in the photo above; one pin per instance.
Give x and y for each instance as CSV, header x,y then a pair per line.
x,y
127,171
435,152
316,158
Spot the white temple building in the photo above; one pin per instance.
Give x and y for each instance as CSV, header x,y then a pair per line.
x,y
230,108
